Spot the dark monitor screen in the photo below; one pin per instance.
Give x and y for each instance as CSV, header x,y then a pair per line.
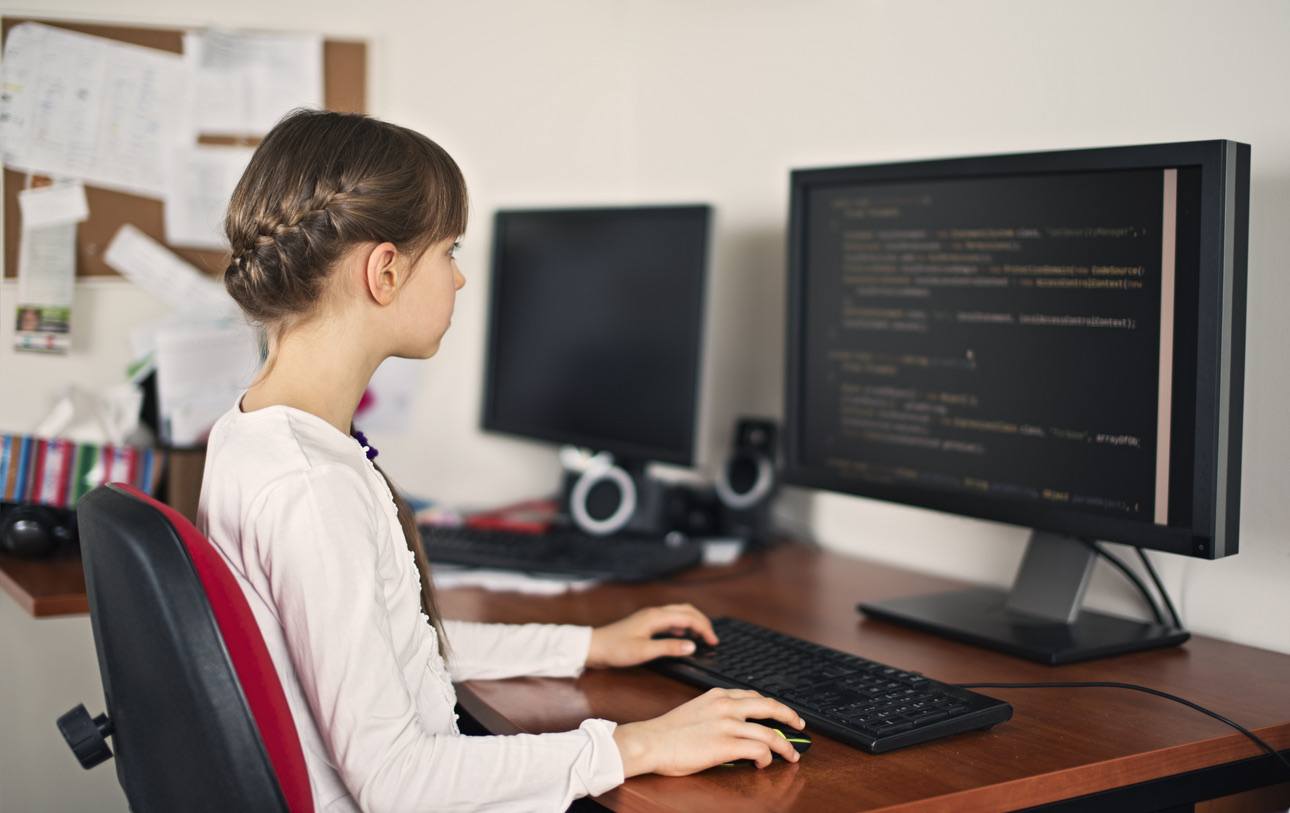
x,y
1036,339
596,328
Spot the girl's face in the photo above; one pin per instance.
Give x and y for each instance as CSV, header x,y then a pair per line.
x,y
423,309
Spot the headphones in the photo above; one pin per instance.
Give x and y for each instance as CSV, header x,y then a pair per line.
x,y
33,531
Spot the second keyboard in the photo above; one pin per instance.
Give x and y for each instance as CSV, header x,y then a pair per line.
x,y
561,553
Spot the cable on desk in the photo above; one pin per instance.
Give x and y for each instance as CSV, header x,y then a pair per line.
x,y
1106,684
1131,576
1160,587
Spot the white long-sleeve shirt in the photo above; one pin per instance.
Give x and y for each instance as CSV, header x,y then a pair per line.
x,y
310,530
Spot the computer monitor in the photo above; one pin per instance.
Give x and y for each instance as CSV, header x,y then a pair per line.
x,y
1054,340
596,328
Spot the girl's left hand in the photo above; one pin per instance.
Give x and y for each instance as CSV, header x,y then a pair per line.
x,y
630,641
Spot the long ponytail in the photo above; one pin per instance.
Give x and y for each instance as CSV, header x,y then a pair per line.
x,y
412,536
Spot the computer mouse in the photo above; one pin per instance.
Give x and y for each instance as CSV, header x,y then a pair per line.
x,y
701,646
800,739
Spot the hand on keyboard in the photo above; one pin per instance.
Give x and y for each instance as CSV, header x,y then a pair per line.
x,y
858,701
632,640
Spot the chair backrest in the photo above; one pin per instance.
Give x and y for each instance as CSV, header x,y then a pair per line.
x,y
199,716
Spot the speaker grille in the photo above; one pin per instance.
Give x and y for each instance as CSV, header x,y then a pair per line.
x,y
603,500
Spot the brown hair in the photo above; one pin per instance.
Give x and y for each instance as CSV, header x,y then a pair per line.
x,y
318,184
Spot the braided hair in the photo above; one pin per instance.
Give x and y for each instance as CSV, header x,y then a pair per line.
x,y
321,182
318,184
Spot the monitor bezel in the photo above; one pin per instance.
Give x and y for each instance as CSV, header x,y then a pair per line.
x,y
624,451
1225,166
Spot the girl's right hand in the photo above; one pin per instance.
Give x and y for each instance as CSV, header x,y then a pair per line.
x,y
710,729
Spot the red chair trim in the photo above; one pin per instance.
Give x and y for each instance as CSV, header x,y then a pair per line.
x,y
255,670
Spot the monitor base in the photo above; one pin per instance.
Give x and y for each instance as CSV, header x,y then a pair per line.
x,y
980,616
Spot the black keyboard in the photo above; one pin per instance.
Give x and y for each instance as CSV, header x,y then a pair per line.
x,y
864,703
561,553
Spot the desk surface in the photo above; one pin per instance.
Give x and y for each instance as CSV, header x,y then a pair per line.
x,y
1061,743
45,587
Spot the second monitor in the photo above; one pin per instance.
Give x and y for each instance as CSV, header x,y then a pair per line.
x,y
596,328
595,340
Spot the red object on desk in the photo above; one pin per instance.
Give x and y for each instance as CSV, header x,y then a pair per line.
x,y
528,517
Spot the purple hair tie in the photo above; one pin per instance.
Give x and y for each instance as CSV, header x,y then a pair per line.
x,y
368,449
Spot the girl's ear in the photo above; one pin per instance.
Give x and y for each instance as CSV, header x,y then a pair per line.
x,y
383,273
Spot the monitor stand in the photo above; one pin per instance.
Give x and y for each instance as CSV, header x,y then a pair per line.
x,y
1040,618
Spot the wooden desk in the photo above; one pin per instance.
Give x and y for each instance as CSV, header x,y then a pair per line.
x,y
55,586
45,587
1125,750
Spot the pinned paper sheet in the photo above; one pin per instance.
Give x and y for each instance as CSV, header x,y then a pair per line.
x,y
91,108
46,271
199,183
201,369
47,265
153,267
245,81
53,205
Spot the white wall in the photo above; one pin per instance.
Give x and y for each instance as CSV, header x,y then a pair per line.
x,y
654,100
730,96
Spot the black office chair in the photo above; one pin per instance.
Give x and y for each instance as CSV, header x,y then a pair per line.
x,y
195,707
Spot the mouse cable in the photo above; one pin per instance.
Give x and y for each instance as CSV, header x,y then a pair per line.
x,y
1160,587
1131,576
1099,684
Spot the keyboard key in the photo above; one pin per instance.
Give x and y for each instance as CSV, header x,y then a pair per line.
x,y
930,716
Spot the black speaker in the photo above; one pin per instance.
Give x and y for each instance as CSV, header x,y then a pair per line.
x,y
35,530
748,481
606,498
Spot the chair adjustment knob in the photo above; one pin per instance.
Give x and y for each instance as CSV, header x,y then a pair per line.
x,y
86,736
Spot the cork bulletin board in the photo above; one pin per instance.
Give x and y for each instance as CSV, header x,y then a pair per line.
x,y
344,90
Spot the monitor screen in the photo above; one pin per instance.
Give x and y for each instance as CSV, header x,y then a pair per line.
x,y
1015,339
596,328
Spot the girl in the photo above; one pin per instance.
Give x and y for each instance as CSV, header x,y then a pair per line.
x,y
343,230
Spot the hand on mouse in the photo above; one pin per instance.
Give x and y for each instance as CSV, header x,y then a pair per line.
x,y
709,730
629,642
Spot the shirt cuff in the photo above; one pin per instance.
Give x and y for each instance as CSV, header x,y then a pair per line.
x,y
606,761
574,645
